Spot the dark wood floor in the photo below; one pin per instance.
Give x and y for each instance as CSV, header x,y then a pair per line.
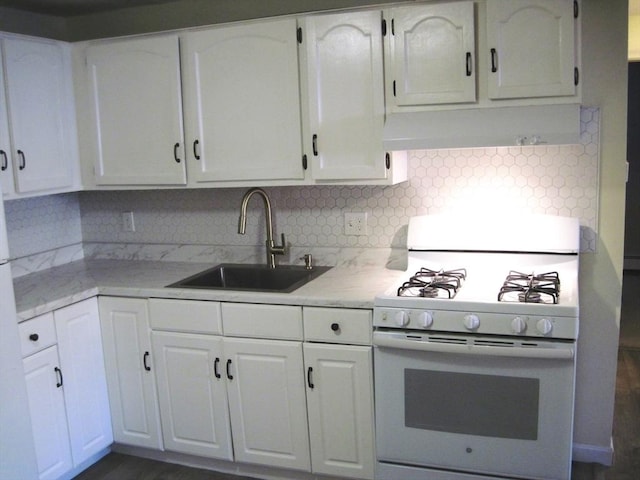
x,y
626,434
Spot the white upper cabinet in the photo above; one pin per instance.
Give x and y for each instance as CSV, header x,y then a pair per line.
x,y
136,111
40,117
242,102
432,53
6,166
531,48
345,96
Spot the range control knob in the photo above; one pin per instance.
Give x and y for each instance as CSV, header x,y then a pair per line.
x,y
425,320
518,325
471,321
544,326
401,318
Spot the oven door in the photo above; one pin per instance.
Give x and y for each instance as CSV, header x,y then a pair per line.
x,y
475,404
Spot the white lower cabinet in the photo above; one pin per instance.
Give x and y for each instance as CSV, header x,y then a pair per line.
x,y
192,394
340,403
66,387
340,391
130,376
48,415
267,402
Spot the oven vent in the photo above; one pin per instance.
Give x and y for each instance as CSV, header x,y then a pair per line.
x,y
454,340
494,343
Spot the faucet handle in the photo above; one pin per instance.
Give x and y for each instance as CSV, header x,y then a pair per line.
x,y
279,249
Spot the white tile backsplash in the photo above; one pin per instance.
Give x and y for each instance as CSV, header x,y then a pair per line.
x,y
551,179
182,224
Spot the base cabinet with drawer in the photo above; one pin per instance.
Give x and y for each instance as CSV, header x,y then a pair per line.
x,y
130,371
66,387
338,365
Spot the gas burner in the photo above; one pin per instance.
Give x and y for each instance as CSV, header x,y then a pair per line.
x,y
531,288
433,284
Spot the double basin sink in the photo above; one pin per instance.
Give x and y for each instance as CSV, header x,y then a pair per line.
x,y
252,277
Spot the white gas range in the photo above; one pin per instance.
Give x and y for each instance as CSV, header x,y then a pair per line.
x,y
475,351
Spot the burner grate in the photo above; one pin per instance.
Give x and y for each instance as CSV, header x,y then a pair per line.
x,y
433,283
531,288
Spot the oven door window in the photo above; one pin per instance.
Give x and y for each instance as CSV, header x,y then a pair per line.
x,y
473,404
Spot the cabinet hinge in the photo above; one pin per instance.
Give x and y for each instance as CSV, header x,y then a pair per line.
x,y
299,34
394,88
384,27
576,76
387,160
304,162
576,9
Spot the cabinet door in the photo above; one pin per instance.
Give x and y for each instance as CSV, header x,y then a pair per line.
x,y
48,418
531,48
6,167
38,77
193,394
129,367
137,111
267,402
340,403
242,102
345,96
85,388
432,51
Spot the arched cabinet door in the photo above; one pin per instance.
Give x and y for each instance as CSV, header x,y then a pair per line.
x,y
345,97
531,48
432,53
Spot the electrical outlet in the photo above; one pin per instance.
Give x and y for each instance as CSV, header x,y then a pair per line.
x,y
355,223
127,222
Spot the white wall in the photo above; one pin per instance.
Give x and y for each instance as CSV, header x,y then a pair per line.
x,y
604,60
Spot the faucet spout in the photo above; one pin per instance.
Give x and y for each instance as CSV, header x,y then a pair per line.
x,y
272,248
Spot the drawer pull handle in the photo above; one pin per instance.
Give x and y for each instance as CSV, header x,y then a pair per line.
x,y
34,337
216,373
309,382
335,327
59,375
229,376
195,149
175,152
5,161
23,161
144,361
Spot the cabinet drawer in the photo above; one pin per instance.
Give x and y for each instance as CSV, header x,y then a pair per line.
x,y
337,325
262,321
37,334
192,316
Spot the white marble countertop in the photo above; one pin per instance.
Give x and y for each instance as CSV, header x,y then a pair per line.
x,y
348,286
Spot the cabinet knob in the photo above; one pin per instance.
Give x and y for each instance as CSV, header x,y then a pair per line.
x,y
335,327
34,337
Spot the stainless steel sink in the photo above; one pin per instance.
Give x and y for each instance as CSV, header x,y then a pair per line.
x,y
257,278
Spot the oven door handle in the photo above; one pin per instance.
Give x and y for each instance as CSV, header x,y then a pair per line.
x,y
391,341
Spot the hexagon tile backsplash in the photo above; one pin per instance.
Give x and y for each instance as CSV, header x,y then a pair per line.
x,y
551,179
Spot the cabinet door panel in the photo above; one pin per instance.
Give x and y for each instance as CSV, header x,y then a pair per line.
x,y
82,360
6,166
267,402
340,410
433,54
48,417
193,396
242,102
38,94
129,367
137,111
534,48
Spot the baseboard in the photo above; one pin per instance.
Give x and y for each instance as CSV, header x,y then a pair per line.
x,y
593,454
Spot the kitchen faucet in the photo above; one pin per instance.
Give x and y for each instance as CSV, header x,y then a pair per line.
x,y
272,248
